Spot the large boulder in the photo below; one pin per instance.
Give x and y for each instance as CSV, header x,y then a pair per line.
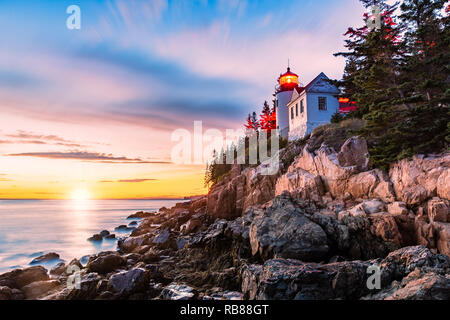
x,y
354,152
370,184
439,210
333,175
336,168
418,285
240,190
38,288
384,226
127,282
164,239
397,208
59,269
176,291
131,243
225,199
424,232
105,262
259,187
287,279
192,225
21,277
301,184
443,237
402,262
45,258
87,288
284,231
443,185
5,293
418,179
423,275
141,215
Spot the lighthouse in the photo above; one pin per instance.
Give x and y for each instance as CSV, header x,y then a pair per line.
x,y
287,83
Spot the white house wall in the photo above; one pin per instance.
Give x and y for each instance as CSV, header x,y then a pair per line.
x,y
282,112
297,126
312,117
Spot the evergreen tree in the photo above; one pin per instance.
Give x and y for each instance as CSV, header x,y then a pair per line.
x,y
273,115
427,43
398,74
249,124
425,127
254,121
337,117
266,118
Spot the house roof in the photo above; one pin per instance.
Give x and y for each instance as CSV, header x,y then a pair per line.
x,y
298,91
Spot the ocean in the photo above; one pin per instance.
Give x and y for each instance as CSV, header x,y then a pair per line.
x,y
29,228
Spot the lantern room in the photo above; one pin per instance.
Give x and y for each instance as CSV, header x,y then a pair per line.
x,y
288,81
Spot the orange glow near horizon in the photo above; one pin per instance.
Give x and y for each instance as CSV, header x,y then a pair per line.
x,y
80,194
184,185
44,170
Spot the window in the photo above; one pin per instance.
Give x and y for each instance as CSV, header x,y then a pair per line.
x,y
296,109
323,103
302,108
292,113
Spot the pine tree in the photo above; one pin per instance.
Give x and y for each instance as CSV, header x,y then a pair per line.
x,y
265,118
427,43
249,124
254,121
398,74
273,115
425,127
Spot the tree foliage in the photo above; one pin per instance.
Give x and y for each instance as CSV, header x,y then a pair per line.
x,y
399,76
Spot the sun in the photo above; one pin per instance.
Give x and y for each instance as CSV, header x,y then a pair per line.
x,y
80,194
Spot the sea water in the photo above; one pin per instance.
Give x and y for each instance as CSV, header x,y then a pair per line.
x,y
30,228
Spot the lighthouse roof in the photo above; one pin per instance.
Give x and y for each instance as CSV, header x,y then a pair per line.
x,y
287,81
288,73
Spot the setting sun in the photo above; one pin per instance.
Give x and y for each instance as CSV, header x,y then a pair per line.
x,y
80,194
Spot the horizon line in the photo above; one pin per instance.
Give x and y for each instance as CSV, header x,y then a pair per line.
x,y
53,199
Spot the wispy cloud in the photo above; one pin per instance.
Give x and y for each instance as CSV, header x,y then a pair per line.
x,y
17,79
128,180
85,156
2,179
48,193
23,137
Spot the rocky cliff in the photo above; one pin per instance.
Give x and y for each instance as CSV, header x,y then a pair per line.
x,y
310,232
412,199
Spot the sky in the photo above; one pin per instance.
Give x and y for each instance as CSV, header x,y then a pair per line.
x,y
90,113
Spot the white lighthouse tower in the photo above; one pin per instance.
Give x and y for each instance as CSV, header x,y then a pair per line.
x,y
287,83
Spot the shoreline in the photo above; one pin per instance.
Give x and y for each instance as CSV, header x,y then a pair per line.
x,y
26,255
327,227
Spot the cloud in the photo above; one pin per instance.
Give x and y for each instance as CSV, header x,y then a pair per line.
x,y
29,135
24,137
48,193
134,14
129,180
2,179
131,86
18,79
85,156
